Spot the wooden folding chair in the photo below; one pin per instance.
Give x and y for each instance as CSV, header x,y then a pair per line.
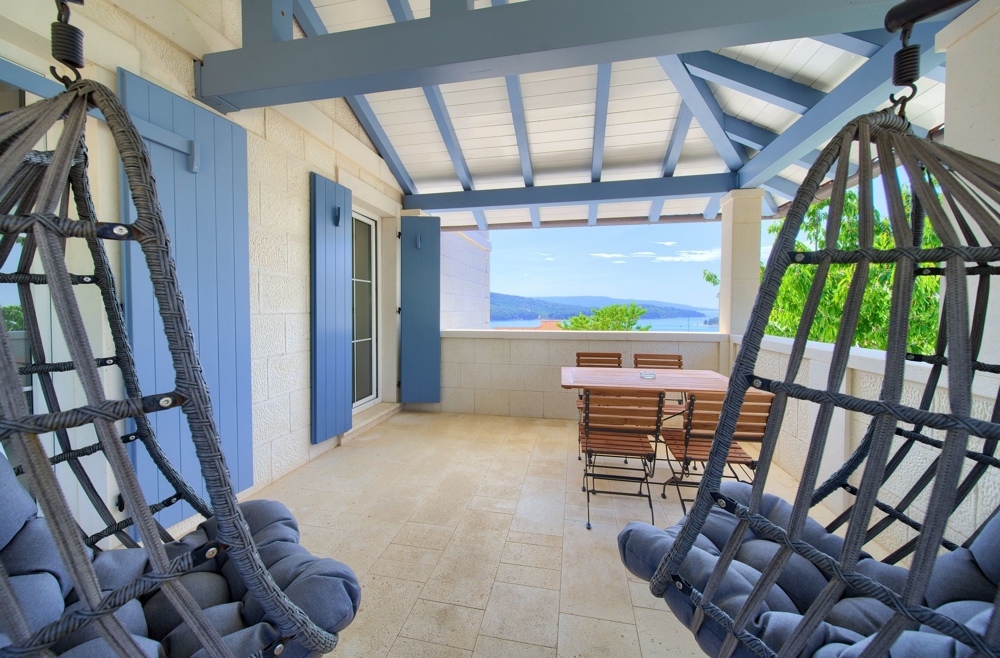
x,y
621,424
662,362
593,360
692,446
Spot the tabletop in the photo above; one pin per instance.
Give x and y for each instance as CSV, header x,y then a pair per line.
x,y
686,381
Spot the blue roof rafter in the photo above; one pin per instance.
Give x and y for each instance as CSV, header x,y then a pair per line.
x,y
936,74
863,90
677,136
310,22
520,125
750,80
600,120
536,219
782,187
480,220
865,43
448,134
699,99
592,215
656,209
713,207
768,205
746,133
675,187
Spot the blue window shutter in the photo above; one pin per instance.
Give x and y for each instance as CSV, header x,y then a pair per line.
x,y
207,218
332,314
420,314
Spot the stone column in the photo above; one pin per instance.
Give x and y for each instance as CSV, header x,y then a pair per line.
x,y
740,273
972,96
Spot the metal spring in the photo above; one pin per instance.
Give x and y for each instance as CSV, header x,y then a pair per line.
x,y
67,45
906,65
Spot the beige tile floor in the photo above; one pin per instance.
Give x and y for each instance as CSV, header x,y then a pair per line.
x,y
468,536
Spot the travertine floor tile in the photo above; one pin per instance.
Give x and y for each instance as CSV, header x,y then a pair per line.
x,y
526,614
405,647
661,635
404,570
580,637
597,514
403,553
424,535
385,605
461,582
443,623
593,578
535,538
643,598
531,576
491,647
541,507
531,555
488,504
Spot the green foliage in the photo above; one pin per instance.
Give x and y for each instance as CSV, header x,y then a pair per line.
x,y
616,317
711,277
872,329
13,317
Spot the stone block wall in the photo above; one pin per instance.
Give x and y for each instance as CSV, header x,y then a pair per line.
x,y
518,373
465,280
160,40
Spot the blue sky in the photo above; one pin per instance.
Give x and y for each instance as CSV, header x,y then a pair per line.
x,y
660,262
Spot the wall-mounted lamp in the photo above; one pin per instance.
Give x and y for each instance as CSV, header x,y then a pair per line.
x,y
336,215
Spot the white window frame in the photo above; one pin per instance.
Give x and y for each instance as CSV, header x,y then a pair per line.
x,y
376,395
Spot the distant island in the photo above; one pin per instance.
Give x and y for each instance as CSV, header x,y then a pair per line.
x,y
513,307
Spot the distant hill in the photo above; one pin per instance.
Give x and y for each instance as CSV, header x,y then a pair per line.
x,y
512,307
597,302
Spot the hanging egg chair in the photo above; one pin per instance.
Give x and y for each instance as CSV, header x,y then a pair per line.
x,y
753,575
240,584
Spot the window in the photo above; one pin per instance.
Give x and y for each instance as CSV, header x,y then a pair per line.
x,y
364,339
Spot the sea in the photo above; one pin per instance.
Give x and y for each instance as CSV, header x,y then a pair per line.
x,y
662,324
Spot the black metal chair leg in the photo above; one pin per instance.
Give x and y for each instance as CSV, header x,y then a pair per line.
x,y
588,507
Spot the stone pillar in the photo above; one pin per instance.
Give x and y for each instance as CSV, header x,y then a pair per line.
x,y
740,273
972,96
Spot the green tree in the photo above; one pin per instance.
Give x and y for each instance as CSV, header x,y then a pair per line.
x,y
872,329
615,317
13,317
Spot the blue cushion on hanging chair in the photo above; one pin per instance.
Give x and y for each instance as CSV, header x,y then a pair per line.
x,y
963,585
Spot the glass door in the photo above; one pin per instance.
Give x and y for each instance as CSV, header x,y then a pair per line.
x,y
364,339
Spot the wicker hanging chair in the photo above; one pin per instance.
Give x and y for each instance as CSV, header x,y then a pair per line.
x,y
241,584
752,575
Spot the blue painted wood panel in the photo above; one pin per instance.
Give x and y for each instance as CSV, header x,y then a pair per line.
x,y
206,214
331,309
420,315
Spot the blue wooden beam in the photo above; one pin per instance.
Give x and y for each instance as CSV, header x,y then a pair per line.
x,y
656,210
440,111
937,74
859,43
536,219
699,99
746,133
677,136
752,81
713,207
520,128
517,38
266,21
481,220
592,215
768,204
311,23
781,186
870,84
600,121
675,187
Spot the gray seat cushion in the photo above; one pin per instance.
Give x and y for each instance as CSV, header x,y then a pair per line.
x,y
963,585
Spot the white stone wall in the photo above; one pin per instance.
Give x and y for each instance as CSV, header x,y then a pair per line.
x,y
159,40
864,379
518,373
465,280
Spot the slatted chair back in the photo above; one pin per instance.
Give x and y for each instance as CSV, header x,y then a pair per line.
x,y
658,361
705,408
622,412
598,360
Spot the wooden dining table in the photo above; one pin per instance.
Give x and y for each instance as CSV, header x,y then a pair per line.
x,y
680,380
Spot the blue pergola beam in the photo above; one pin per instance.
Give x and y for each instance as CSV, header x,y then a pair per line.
x,y
522,37
266,21
481,220
851,43
600,121
536,219
713,207
863,90
937,74
656,210
677,136
699,99
746,133
311,23
592,215
752,81
675,187
782,187
520,128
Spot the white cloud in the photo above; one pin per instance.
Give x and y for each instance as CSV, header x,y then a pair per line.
x,y
643,254
695,256
608,255
541,254
666,244
550,259
617,262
